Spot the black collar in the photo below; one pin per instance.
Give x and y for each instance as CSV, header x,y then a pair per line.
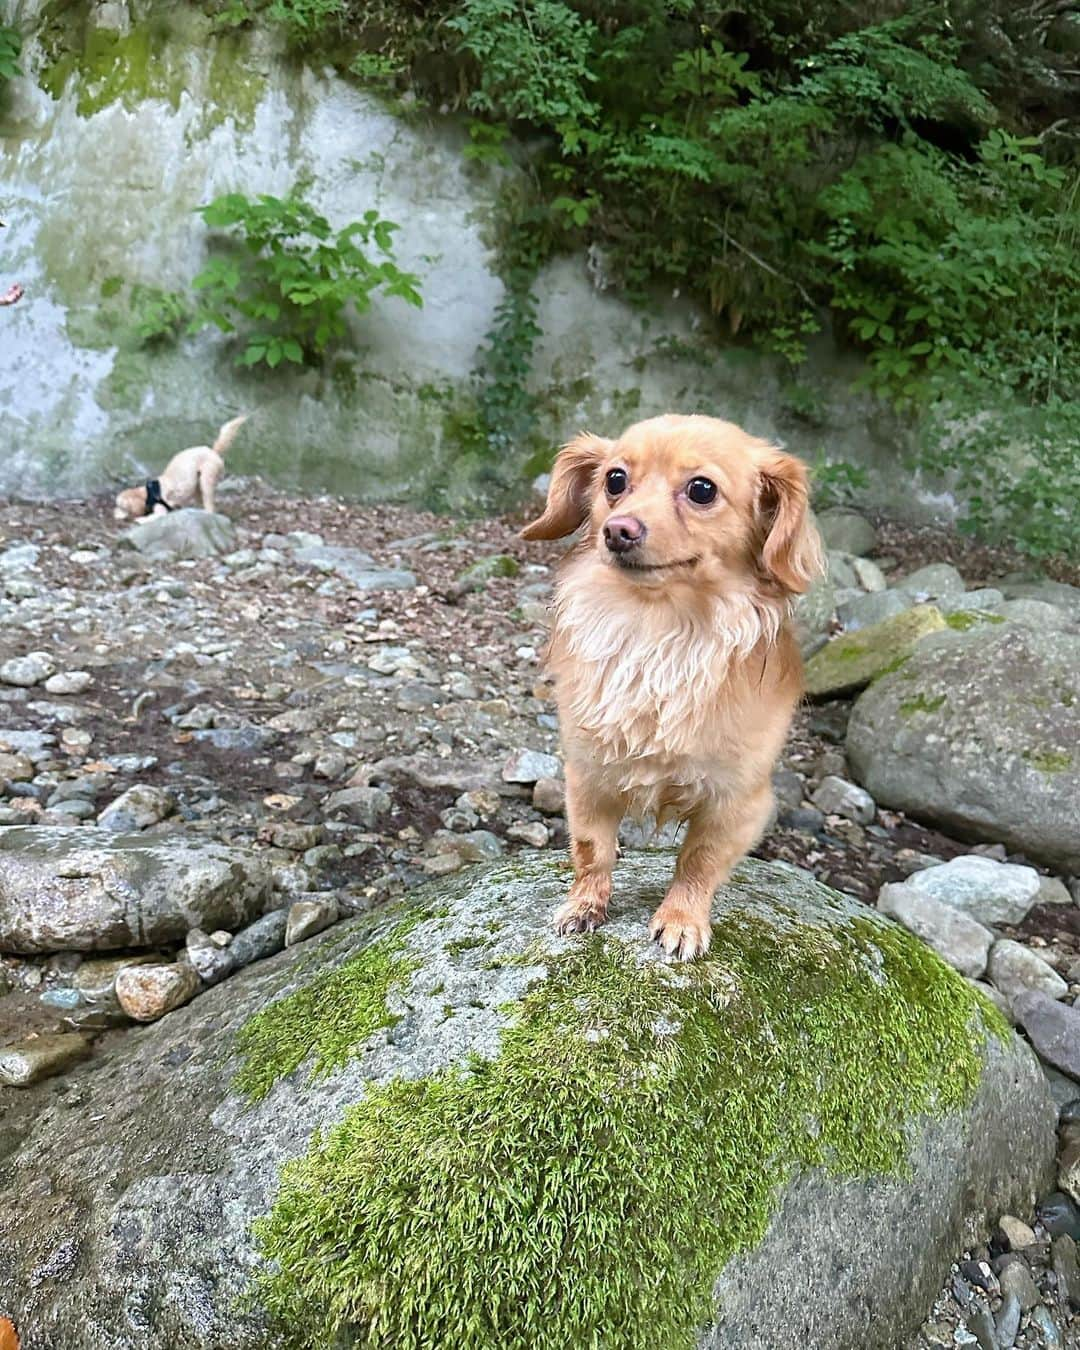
x,y
154,497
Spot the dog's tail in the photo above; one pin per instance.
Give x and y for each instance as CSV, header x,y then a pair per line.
x,y
227,434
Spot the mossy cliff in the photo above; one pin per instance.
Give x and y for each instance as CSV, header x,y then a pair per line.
x,y
130,114
447,1127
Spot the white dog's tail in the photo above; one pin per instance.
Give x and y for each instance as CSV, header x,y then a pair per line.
x,y
227,434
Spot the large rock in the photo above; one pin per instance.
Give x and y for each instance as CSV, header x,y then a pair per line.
x,y
848,663
67,888
187,533
791,1136
979,732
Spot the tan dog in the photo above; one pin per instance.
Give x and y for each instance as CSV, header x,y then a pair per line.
x,y
191,474
675,668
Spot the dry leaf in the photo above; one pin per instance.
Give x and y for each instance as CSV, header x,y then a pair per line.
x,y
9,1337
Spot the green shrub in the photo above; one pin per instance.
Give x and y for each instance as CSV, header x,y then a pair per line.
x,y
10,48
286,279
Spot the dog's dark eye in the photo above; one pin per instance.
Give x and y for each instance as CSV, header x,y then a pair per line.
x,y
701,491
616,482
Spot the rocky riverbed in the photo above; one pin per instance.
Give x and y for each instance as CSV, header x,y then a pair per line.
x,y
220,737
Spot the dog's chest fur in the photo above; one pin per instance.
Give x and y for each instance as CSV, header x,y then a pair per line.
x,y
649,690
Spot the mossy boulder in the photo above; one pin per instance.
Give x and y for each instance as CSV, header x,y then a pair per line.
x,y
979,732
444,1126
850,662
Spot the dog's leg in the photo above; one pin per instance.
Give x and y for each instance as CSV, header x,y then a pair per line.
x,y
594,828
717,837
207,484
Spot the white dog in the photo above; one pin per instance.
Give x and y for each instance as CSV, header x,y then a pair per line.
x,y
193,473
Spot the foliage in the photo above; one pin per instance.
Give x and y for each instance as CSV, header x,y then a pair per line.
x,y
629,1122
158,315
286,278
10,47
910,177
836,482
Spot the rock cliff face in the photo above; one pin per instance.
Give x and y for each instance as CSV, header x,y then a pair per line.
x,y
445,1126
127,120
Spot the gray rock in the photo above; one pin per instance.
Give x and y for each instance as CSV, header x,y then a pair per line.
x,y
1036,614
989,891
210,961
415,696
981,602
261,939
73,889
357,568
954,935
812,614
1053,891
246,740
69,682
148,992
529,766
1053,1029
868,574
19,558
137,809
837,797
308,917
1016,969
938,581
27,1062
841,571
171,1163
73,808
1007,1322
1056,593
1016,1282
846,531
862,611
26,671
978,733
187,533
364,806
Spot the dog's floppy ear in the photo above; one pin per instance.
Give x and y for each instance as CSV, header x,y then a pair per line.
x,y
570,489
791,553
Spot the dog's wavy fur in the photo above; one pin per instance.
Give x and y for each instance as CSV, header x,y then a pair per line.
x,y
676,672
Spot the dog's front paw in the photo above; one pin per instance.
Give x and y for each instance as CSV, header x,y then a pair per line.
x,y
682,933
579,916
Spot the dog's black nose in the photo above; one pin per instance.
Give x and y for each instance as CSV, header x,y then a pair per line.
x,y
622,533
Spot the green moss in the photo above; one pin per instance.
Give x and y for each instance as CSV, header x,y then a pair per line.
x,y
586,1186
116,67
1049,761
465,944
964,619
921,704
892,667
327,1020
148,62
